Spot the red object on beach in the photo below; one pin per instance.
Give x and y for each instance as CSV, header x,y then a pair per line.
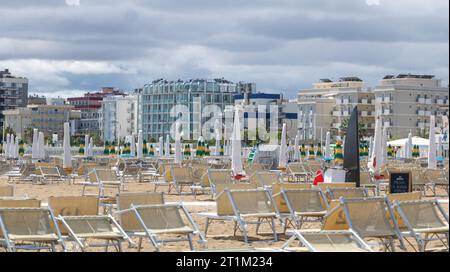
x,y
319,177
239,177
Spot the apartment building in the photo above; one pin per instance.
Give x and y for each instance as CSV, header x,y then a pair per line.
x,y
160,97
13,93
328,106
49,119
118,117
406,101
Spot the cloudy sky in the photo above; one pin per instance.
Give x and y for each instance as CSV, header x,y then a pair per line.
x,y
69,46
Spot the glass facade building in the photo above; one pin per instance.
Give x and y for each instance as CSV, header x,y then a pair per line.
x,y
160,97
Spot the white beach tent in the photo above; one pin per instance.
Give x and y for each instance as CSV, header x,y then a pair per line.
x,y
236,145
67,156
432,162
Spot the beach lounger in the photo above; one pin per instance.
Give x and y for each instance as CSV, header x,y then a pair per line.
x,y
165,219
103,178
166,174
337,193
29,229
218,176
437,178
80,222
266,178
372,218
182,178
128,220
425,221
302,205
6,191
326,241
297,172
367,181
48,174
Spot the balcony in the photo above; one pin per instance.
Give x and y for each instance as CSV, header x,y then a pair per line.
x,y
421,100
345,113
428,113
379,99
387,124
440,101
386,112
337,125
345,101
364,113
428,101
421,112
336,113
387,99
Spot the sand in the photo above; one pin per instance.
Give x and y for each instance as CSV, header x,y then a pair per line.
x,y
220,234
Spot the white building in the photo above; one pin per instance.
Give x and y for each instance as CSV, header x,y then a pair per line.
x,y
328,106
405,103
118,117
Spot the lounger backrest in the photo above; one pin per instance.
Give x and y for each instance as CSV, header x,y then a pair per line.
x,y
417,177
219,176
266,178
181,174
234,186
49,171
74,205
251,201
161,217
296,168
404,197
276,188
88,225
335,218
106,175
369,217
325,186
26,221
341,241
365,178
20,203
128,220
436,176
307,200
6,190
336,193
423,214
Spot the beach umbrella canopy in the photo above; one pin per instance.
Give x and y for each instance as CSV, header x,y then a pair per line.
x,y
161,147
311,152
187,151
236,146
140,144
338,157
327,146
21,148
296,148
151,151
67,156
282,161
375,162
319,150
432,162
34,146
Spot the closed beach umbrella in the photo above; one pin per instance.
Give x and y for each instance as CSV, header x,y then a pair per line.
x,y
86,145
8,146
140,145
236,146
34,146
440,148
296,148
132,146
282,161
328,146
41,146
409,147
161,147
374,163
167,146
67,156
106,150
432,162
21,148
91,147
178,152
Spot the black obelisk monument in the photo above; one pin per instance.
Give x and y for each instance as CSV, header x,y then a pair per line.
x,y
351,150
